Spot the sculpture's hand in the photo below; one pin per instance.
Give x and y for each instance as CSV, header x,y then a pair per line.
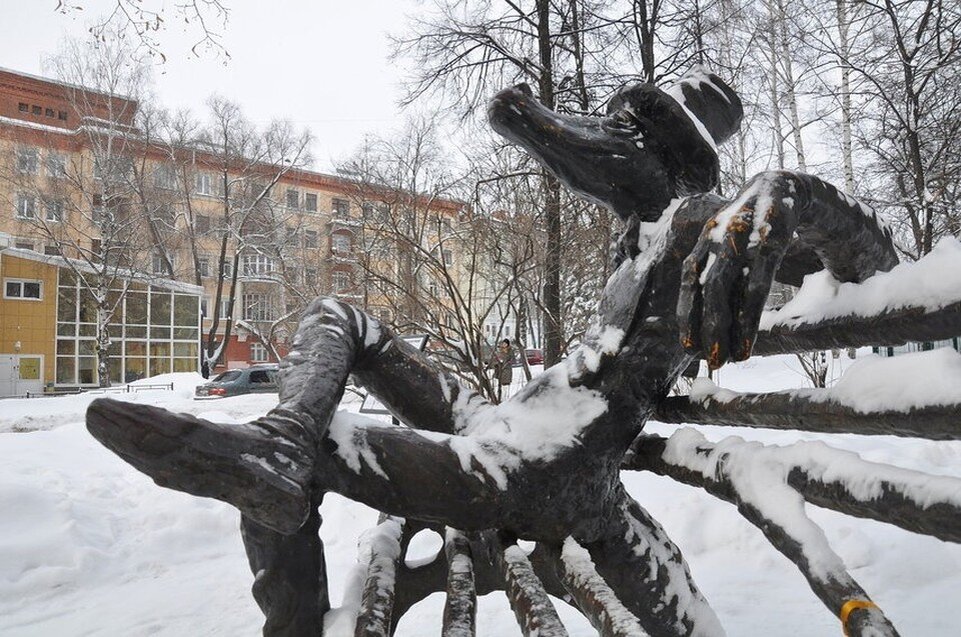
x,y
726,278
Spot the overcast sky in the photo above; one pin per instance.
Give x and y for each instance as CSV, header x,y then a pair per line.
x,y
320,63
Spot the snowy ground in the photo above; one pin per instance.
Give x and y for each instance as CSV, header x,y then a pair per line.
x,y
88,546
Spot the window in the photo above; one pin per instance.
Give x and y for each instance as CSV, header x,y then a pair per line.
x,y
27,160
258,354
203,265
310,202
62,116
341,282
52,251
293,198
341,207
447,254
24,107
54,209
257,307
165,177
204,183
224,308
56,165
24,245
159,264
48,112
340,243
36,110
310,239
227,270
255,264
26,206
96,208
22,289
202,223
310,276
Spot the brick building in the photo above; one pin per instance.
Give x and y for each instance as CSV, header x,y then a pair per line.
x,y
80,178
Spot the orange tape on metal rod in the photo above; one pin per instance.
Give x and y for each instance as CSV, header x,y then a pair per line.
x,y
849,607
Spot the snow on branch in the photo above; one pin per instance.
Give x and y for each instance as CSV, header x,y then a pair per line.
x,y
833,479
915,301
913,395
535,613
382,544
593,595
460,609
755,479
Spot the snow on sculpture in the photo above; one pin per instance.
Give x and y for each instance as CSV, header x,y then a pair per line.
x,y
692,275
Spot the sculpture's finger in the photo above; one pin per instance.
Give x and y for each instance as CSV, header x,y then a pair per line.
x,y
767,245
689,302
721,284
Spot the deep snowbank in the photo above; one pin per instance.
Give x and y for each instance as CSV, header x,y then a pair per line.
x,y
88,546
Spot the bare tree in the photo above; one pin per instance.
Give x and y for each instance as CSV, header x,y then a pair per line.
x,y
226,171
146,20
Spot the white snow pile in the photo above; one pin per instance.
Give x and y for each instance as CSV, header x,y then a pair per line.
x,y
89,546
759,475
32,414
876,383
930,283
493,439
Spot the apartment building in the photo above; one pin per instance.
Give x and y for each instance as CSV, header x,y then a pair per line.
x,y
80,180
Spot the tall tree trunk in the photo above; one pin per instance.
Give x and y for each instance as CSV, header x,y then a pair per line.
x,y
554,337
775,93
789,84
847,160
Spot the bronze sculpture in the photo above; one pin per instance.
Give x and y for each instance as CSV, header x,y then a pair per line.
x,y
692,275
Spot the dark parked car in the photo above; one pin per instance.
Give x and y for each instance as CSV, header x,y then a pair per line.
x,y
259,379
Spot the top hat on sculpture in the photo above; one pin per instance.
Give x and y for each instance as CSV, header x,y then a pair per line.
x,y
684,124
652,146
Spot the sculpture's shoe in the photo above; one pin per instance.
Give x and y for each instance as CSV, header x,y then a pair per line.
x,y
264,468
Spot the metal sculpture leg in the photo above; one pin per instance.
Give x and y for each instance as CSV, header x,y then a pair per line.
x,y
290,577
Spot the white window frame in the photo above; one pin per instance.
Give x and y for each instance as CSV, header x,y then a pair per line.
x,y
204,183
257,307
26,207
56,206
340,281
21,283
56,165
25,164
257,265
259,353
341,243
165,177
287,198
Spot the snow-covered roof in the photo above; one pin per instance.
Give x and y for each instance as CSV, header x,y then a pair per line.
x,y
142,277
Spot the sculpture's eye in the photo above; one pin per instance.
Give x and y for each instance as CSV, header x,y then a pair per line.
x,y
622,122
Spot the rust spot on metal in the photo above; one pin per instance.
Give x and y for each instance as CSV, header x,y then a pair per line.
x,y
714,360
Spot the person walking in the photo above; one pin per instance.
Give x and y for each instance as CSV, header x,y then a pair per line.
x,y
503,363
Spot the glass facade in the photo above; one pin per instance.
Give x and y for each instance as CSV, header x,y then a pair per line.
x,y
154,331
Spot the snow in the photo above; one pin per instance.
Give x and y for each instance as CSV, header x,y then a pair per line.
x,y
89,546
876,383
930,283
580,569
695,77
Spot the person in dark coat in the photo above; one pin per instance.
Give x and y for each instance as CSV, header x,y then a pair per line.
x,y
503,363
